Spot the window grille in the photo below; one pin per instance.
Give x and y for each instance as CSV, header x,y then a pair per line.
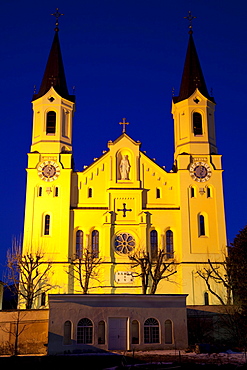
x,y
151,331
85,331
169,244
154,244
51,122
95,243
79,244
47,225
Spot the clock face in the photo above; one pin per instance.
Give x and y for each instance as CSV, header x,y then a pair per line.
x,y
200,171
48,171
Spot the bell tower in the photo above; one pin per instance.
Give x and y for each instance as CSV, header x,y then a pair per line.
x,y
199,170
50,167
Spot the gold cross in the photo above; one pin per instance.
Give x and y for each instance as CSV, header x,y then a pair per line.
x,y
190,18
124,123
57,15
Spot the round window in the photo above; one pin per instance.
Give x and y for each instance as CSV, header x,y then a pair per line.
x,y
124,243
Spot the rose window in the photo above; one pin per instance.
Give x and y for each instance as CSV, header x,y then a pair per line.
x,y
124,243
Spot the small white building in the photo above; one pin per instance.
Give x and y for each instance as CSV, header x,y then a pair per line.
x,y
95,323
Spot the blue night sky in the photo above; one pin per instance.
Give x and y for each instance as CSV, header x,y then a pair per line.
x,y
124,57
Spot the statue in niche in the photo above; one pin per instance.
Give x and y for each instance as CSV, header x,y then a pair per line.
x,y
124,168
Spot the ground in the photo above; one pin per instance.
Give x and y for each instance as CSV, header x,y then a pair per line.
x,y
139,360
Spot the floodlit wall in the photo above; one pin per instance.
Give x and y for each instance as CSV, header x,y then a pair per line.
x,y
32,327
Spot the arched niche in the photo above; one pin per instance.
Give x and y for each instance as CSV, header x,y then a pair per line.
x,y
124,166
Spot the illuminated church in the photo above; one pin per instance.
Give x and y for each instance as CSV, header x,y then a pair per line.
x,y
125,203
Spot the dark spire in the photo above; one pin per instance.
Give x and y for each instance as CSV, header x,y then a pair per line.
x,y
54,72
192,77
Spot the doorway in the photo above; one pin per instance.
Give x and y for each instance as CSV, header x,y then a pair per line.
x,y
117,333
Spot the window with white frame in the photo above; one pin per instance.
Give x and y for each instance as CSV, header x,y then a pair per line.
x,y
85,331
151,331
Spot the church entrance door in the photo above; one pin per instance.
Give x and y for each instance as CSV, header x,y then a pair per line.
x,y
117,333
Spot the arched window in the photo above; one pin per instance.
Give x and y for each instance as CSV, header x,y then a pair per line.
x,y
154,244
67,333
209,192
158,193
51,122
197,123
47,225
79,244
206,299
135,332
201,225
85,331
168,332
90,193
169,244
151,331
101,332
192,192
95,243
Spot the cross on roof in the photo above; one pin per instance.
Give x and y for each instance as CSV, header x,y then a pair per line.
x,y
124,123
190,18
124,210
57,15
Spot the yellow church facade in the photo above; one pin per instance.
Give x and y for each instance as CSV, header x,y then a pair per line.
x,y
124,203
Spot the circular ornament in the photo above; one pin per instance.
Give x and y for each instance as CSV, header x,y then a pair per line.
x,y
48,171
124,243
200,171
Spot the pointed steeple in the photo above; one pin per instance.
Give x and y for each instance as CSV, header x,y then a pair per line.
x,y
53,107
193,109
192,77
54,74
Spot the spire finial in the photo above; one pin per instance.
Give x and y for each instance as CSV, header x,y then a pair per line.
x,y
190,18
57,15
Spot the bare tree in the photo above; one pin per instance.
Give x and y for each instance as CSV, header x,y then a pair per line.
x,y
142,260
231,318
17,330
218,274
152,270
85,269
29,273
237,255
162,269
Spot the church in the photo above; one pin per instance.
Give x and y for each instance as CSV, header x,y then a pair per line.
x,y
124,204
